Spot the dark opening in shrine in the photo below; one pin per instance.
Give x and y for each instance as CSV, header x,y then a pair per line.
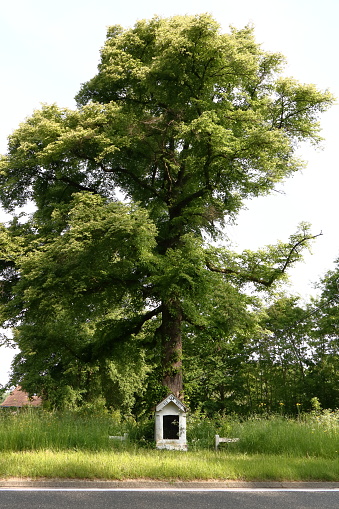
x,y
171,426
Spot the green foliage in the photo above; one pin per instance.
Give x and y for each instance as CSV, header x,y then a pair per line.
x,y
324,341
277,435
140,433
201,429
185,123
312,435
32,429
3,395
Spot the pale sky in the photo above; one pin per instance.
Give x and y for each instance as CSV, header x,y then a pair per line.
x,y
49,48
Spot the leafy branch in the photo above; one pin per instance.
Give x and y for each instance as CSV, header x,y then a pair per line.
x,y
250,267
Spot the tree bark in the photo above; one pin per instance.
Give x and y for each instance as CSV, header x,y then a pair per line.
x,y
171,337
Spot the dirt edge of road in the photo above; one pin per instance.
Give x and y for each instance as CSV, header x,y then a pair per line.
x,y
151,484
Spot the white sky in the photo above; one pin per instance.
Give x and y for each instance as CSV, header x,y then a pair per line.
x,y
49,48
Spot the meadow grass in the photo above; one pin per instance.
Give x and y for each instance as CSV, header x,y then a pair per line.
x,y
166,465
33,429
39,444
303,438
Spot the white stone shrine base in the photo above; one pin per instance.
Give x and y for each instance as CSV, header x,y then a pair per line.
x,y
171,445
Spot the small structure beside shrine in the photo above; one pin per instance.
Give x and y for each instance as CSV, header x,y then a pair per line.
x,y
170,424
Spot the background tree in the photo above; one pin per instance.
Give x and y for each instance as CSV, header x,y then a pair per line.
x,y
283,356
324,342
186,122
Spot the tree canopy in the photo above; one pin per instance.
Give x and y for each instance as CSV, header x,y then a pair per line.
x,y
181,124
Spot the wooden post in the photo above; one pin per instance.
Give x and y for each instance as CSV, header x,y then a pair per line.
x,y
219,440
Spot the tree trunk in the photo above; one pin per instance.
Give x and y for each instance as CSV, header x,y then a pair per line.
x,y
171,337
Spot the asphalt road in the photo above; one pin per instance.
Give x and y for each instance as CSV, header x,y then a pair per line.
x,y
195,497
168,500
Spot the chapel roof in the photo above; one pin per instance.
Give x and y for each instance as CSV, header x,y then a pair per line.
x,y
171,399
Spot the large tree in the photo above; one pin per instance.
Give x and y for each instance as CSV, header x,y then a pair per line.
x,y
185,122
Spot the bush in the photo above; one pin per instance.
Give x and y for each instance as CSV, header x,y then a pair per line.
x,y
201,429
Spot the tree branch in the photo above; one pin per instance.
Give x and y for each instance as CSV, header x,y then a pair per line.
x,y
66,180
130,174
294,249
176,209
120,330
233,272
275,273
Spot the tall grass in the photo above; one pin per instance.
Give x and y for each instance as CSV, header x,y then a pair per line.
x,y
32,429
308,436
35,443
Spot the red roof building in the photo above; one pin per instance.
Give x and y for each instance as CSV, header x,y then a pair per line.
x,y
19,398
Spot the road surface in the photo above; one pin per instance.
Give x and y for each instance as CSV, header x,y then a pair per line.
x,y
167,496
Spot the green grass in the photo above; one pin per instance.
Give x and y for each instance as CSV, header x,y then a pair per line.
x,y
279,436
38,444
166,465
32,430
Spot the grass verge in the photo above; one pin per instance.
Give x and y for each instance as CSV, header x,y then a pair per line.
x,y
166,465
68,445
